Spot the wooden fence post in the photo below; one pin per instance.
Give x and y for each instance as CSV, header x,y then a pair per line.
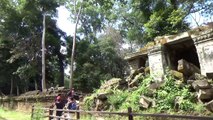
x,y
50,112
130,116
32,112
78,114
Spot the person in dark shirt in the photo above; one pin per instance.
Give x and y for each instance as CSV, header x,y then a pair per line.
x,y
71,93
59,105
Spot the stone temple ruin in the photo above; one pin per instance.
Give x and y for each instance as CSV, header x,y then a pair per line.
x,y
189,52
187,56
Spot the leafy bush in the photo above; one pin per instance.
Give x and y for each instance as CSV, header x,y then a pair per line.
x,y
89,102
133,98
170,93
117,98
38,113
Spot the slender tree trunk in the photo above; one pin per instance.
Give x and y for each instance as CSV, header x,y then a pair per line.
x,y
43,82
73,48
17,90
61,68
11,86
36,85
26,87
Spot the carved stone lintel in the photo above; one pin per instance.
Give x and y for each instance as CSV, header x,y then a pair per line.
x,y
203,37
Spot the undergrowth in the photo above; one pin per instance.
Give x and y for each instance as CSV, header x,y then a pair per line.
x,y
169,97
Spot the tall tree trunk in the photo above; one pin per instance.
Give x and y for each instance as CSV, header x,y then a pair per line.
x,y
61,68
73,47
36,85
43,82
11,86
17,90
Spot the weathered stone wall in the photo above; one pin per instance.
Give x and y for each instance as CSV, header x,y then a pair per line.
x,y
204,46
25,103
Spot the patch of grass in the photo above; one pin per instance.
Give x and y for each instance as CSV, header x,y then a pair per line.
x,y
13,115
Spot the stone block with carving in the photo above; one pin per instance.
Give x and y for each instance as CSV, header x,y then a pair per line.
x,y
187,68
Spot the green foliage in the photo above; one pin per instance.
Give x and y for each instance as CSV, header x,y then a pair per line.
x,y
134,96
199,108
97,61
170,92
38,113
89,101
117,98
20,31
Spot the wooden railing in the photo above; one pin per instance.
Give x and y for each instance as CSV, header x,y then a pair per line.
x,y
128,114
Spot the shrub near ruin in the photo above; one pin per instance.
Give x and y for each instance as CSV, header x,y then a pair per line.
x,y
170,96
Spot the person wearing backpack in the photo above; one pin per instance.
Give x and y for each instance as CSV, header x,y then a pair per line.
x,y
72,105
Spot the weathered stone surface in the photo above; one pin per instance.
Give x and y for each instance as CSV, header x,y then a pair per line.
x,y
189,82
157,61
60,88
201,84
141,70
205,94
187,68
122,85
204,45
146,102
31,93
152,87
197,76
112,83
209,106
134,82
132,75
177,75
